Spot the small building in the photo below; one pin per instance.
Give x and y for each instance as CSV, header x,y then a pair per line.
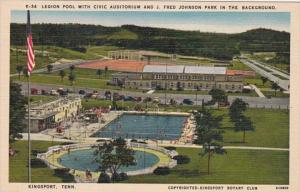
x,y
52,114
175,77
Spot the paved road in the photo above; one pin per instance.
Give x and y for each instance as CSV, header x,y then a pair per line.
x,y
254,102
274,71
254,65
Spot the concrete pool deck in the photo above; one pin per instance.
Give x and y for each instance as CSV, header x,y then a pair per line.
x,y
81,132
164,160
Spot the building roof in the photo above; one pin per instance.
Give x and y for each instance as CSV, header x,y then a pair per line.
x,y
184,69
205,70
240,72
163,69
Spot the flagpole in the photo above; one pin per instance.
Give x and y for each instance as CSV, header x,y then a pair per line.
x,y
29,142
29,67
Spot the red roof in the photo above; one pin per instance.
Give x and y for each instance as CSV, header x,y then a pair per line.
x,y
240,72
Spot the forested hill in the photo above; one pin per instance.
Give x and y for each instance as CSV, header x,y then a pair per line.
x,y
194,43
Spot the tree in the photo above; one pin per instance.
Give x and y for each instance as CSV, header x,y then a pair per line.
x,y
62,74
275,86
263,79
99,73
112,155
206,123
218,96
241,122
208,134
72,78
72,68
237,107
17,111
212,148
105,70
19,69
49,68
244,124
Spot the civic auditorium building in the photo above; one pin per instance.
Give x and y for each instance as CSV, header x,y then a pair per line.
x,y
182,77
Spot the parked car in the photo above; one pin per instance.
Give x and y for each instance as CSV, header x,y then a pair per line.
x,y
88,95
107,95
129,98
63,93
117,97
81,92
34,91
54,92
224,104
44,92
156,100
138,99
187,102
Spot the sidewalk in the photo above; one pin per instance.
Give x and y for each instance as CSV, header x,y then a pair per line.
x,y
257,90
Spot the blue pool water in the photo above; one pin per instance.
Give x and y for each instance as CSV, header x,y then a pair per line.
x,y
85,159
161,127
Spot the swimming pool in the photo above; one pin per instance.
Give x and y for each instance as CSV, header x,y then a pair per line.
x,y
84,159
141,126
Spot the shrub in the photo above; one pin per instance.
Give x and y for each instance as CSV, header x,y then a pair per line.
x,y
162,171
133,140
123,176
170,148
104,178
182,159
61,171
115,177
37,163
35,152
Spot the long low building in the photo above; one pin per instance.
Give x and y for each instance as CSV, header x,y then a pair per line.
x,y
51,114
180,77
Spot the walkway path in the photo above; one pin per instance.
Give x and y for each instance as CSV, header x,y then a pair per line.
x,y
257,90
43,137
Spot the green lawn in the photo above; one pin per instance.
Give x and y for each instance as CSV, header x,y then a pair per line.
x,y
238,65
42,98
272,93
271,128
84,73
55,53
18,165
56,80
235,167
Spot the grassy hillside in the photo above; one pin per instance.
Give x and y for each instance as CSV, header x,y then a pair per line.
x,y
192,43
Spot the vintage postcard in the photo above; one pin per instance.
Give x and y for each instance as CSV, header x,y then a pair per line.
x,y
149,96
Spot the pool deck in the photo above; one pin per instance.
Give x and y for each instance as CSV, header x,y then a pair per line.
x,y
81,132
164,160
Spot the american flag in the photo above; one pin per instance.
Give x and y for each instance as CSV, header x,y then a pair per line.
x,y
30,51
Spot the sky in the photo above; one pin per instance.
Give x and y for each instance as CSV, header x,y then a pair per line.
x,y
221,22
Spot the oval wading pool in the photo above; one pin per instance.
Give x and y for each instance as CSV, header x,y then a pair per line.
x,y
84,159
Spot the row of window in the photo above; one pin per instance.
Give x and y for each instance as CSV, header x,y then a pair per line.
x,y
185,77
183,85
